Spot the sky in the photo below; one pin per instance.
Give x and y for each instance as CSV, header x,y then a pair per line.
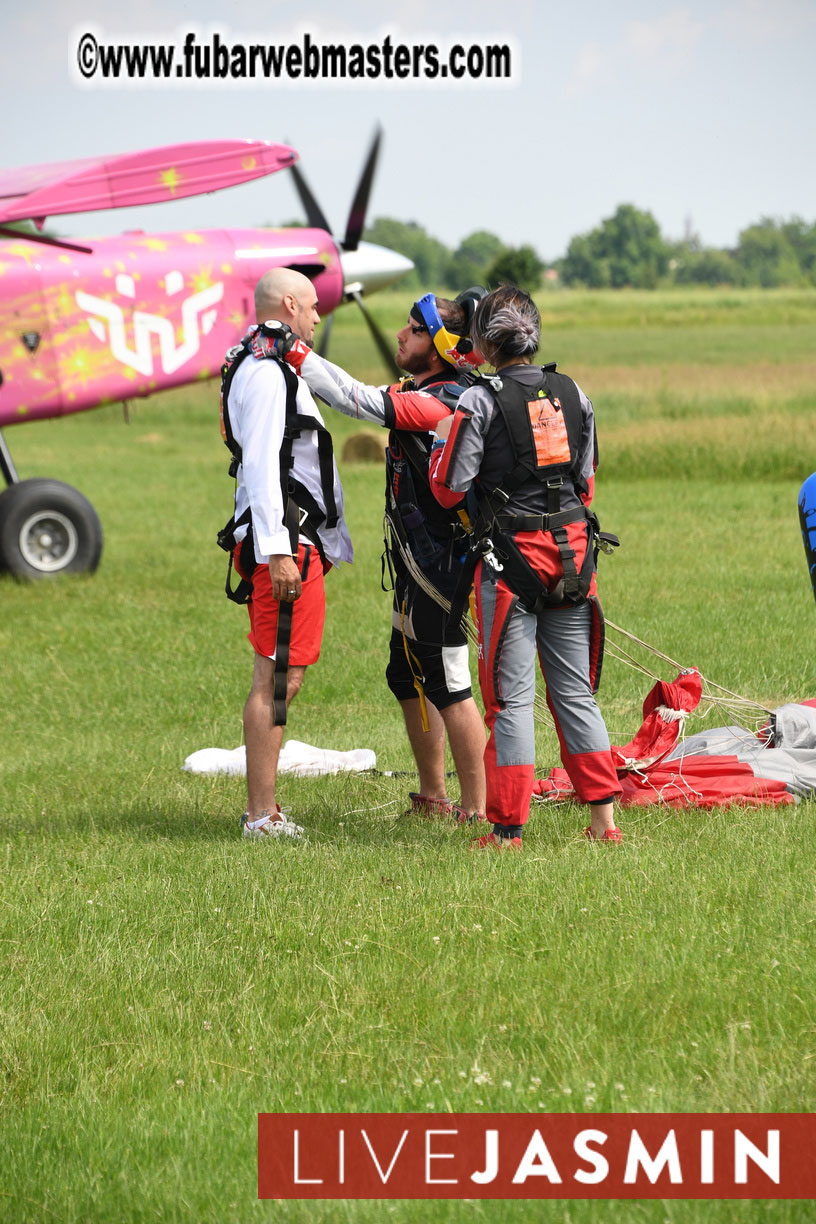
x,y
703,113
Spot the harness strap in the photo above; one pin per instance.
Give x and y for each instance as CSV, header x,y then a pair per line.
x,y
539,522
282,640
416,672
291,521
385,559
523,580
325,458
516,570
303,514
416,455
461,596
228,370
227,541
554,495
243,592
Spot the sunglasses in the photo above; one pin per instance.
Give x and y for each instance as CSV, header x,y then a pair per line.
x,y
418,328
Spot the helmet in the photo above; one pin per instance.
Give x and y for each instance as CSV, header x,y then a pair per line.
x,y
457,351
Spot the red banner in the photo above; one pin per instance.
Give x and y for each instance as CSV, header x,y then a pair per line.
x,y
536,1156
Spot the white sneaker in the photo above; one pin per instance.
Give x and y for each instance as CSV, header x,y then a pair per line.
x,y
270,826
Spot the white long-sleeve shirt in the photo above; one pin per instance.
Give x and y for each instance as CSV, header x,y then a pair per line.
x,y
257,411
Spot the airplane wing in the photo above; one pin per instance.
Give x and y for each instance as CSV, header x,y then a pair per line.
x,y
169,172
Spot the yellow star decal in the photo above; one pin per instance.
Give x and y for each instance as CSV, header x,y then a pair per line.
x,y
193,238
155,244
170,179
64,303
80,365
202,280
24,249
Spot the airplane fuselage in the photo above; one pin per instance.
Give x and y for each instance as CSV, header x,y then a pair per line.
x,y
139,314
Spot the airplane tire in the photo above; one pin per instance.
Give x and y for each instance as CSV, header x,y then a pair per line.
x,y
47,528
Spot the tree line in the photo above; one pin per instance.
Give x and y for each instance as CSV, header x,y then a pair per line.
x,y
625,250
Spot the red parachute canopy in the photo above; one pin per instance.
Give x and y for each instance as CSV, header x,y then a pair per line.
x,y
712,769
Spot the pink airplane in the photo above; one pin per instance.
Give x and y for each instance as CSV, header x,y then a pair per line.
x,y
91,322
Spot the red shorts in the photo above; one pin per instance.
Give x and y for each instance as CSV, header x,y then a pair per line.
x,y
308,611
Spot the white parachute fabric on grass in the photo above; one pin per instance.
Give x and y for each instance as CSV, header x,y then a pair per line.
x,y
296,758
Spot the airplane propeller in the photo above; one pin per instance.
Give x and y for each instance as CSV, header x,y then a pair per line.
x,y
359,205
365,265
386,350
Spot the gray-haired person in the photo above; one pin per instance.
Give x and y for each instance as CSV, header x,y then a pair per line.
x,y
524,442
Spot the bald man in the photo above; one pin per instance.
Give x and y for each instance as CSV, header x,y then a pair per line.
x,y
287,530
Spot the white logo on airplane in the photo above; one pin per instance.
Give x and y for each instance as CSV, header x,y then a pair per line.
x,y
197,307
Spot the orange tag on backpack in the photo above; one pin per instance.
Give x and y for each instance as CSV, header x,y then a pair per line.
x,y
549,431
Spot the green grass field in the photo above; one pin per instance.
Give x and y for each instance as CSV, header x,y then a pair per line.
x,y
162,981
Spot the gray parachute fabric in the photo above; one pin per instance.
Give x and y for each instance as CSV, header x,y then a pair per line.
x,y
713,768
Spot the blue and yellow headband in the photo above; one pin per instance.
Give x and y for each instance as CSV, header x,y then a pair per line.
x,y
457,351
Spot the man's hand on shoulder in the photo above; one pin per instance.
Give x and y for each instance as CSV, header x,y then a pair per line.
x,y
443,426
285,343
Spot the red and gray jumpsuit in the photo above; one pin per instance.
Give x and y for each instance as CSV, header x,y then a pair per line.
x,y
567,638
434,537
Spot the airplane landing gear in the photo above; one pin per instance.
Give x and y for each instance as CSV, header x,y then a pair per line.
x,y
47,527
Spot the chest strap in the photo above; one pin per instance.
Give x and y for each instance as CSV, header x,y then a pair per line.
x,y
538,522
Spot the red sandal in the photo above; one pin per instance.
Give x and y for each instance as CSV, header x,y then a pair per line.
x,y
609,835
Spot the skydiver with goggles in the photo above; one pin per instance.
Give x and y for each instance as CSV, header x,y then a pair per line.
x,y
425,545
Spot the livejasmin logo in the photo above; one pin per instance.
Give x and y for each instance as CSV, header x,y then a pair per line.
x,y
537,1161
535,1156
